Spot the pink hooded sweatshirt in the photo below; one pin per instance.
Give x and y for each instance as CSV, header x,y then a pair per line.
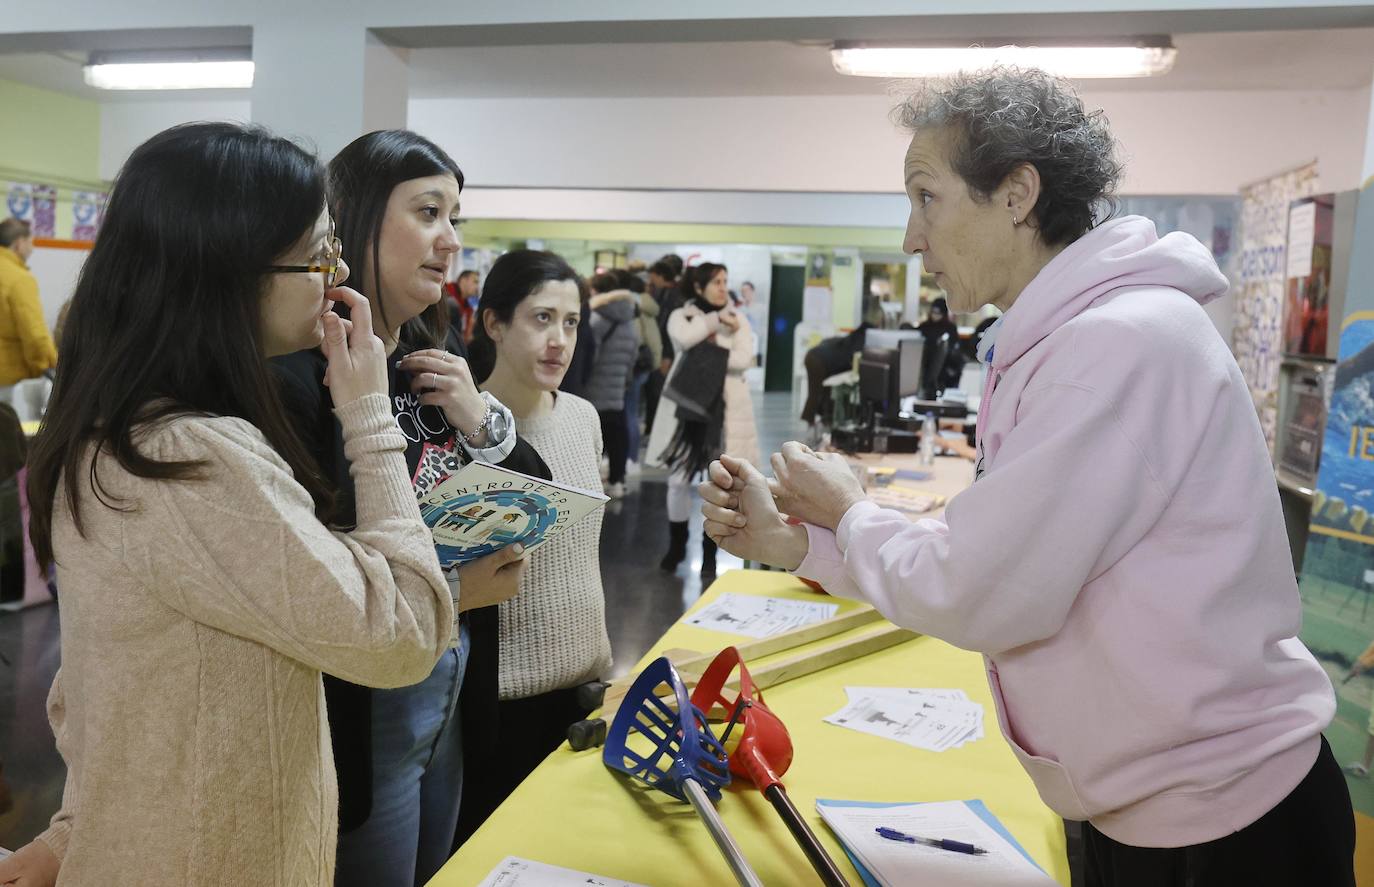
x,y
1121,560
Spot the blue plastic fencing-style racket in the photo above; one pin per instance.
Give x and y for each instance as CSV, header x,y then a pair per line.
x,y
683,758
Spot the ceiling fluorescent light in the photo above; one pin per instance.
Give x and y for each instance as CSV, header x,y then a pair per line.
x,y
1145,58
183,69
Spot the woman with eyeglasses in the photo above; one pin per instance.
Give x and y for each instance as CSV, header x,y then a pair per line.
x,y
202,592
399,752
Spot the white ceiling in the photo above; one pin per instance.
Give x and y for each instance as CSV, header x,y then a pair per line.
x,y
1258,60
1264,60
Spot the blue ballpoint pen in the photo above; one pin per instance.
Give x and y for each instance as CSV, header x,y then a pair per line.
x,y
943,843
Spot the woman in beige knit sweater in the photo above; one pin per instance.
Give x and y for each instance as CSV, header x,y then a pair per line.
x,y
202,595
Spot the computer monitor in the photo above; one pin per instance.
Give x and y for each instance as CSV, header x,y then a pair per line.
x,y
876,338
890,374
909,355
878,377
932,363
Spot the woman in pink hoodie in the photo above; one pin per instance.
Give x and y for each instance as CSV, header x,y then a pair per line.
x,y
1121,559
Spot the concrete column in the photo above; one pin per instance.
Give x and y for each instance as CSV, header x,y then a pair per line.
x,y
328,84
1360,291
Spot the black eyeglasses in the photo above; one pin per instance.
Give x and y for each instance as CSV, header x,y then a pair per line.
x,y
327,262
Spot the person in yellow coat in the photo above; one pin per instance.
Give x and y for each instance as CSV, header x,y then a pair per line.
x,y
26,346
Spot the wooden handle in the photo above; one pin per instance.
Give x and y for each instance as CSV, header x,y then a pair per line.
x,y
800,665
837,653
691,663
754,650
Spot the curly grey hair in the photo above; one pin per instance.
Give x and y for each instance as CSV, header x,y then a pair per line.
x,y
1004,117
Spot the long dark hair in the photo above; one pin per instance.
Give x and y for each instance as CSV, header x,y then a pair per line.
x,y
361,179
693,283
512,278
166,319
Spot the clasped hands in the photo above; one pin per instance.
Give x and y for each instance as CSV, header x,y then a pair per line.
x,y
747,513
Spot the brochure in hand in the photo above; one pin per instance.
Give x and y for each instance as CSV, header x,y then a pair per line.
x,y
483,508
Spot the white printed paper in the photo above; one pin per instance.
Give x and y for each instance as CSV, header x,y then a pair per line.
x,y
934,720
953,693
759,617
516,872
817,305
1302,235
899,863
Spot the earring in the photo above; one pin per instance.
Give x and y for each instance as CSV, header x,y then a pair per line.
x,y
1014,221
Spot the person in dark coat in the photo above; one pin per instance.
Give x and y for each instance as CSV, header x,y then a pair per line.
x,y
613,323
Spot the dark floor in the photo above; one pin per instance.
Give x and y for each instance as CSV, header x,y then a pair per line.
x,y
641,603
641,600
28,642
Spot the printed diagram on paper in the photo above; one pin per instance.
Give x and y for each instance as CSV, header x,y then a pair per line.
x,y
759,617
930,719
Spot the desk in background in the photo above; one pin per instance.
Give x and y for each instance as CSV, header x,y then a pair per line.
x,y
949,475
574,812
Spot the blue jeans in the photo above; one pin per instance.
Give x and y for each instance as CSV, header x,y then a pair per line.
x,y
632,413
417,782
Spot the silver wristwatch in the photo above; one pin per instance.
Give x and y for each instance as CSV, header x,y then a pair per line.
x,y
488,423
497,425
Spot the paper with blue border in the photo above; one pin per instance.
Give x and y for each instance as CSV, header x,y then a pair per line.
x,y
977,806
482,508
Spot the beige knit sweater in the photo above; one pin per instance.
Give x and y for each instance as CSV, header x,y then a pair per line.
x,y
553,633
189,706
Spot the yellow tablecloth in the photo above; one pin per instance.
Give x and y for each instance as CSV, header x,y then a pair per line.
x,y
574,812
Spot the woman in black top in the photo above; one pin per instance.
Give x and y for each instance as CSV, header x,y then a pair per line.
x,y
399,752
940,373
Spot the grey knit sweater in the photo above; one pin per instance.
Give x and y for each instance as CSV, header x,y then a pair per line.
x,y
553,633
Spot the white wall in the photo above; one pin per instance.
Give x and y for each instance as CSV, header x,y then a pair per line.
x,y
1175,143
820,209
56,271
126,125
1213,142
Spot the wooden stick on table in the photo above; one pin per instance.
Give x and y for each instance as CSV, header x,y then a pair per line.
x,y
839,653
691,663
803,664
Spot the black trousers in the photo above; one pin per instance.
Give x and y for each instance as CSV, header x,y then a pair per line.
x,y
817,398
615,434
653,390
1308,840
527,731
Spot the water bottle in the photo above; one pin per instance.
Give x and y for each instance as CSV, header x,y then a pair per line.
x,y
928,432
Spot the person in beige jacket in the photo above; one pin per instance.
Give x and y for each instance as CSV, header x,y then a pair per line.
x,y
201,593
707,317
